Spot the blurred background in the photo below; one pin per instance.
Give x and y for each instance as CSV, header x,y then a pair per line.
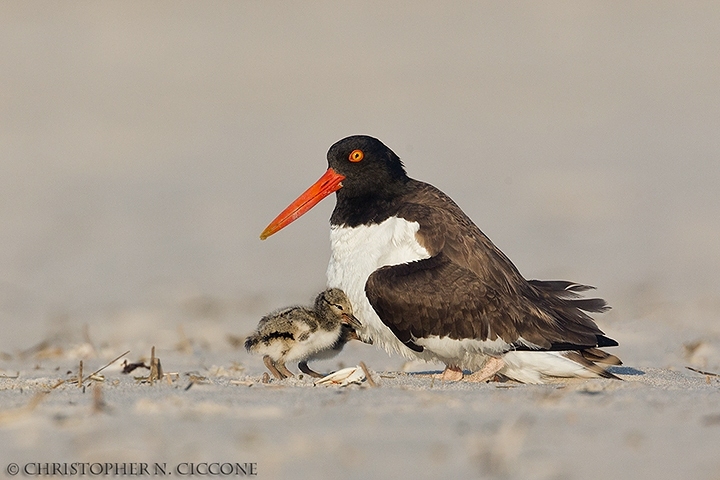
x,y
144,146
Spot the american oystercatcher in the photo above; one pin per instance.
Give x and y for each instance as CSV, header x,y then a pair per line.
x,y
426,282
301,334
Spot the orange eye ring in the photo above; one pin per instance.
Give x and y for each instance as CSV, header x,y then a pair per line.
x,y
356,156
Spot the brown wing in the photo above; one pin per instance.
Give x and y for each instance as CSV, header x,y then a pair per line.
x,y
470,289
435,296
446,228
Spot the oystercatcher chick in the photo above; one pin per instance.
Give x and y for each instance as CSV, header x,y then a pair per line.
x,y
426,282
300,334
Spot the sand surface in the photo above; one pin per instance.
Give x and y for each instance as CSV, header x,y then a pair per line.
x,y
143,147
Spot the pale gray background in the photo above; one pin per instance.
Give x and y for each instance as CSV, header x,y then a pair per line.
x,y
145,145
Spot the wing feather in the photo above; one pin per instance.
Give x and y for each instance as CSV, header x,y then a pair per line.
x,y
469,289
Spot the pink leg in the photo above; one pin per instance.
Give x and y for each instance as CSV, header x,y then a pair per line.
x,y
491,366
452,373
273,369
283,369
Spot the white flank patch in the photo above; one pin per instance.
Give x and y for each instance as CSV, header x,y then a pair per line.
x,y
529,367
356,253
452,351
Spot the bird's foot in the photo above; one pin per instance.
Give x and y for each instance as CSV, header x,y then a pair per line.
x,y
283,369
491,367
279,371
451,374
303,366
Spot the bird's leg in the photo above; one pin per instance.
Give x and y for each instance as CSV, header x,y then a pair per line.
x,y
303,366
452,373
283,369
273,369
491,366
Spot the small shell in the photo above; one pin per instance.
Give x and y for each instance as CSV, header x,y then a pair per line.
x,y
343,377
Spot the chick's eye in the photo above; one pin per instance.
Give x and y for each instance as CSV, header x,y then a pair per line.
x,y
356,155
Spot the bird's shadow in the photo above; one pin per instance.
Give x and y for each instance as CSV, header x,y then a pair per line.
x,y
427,373
616,370
625,371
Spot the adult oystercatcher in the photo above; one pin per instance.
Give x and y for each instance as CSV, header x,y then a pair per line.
x,y
426,282
301,334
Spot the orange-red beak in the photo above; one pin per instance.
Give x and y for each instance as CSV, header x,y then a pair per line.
x,y
330,182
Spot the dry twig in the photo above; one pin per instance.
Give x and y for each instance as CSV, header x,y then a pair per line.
x,y
704,373
80,379
370,380
156,372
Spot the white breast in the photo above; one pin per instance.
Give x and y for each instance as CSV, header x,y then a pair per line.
x,y
356,253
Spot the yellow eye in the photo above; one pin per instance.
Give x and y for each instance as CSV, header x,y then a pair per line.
x,y
356,156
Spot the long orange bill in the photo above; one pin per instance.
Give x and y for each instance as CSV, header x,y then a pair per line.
x,y
330,182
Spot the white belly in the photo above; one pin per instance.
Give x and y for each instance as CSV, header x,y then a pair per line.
x,y
356,253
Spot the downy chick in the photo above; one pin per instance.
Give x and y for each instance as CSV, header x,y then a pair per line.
x,y
300,334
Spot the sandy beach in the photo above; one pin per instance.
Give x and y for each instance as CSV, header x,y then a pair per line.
x,y
144,147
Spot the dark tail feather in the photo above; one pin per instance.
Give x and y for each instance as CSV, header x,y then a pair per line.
x,y
559,286
597,355
603,341
579,357
572,327
567,293
596,305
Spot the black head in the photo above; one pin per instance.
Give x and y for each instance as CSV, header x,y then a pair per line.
x,y
367,177
370,168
